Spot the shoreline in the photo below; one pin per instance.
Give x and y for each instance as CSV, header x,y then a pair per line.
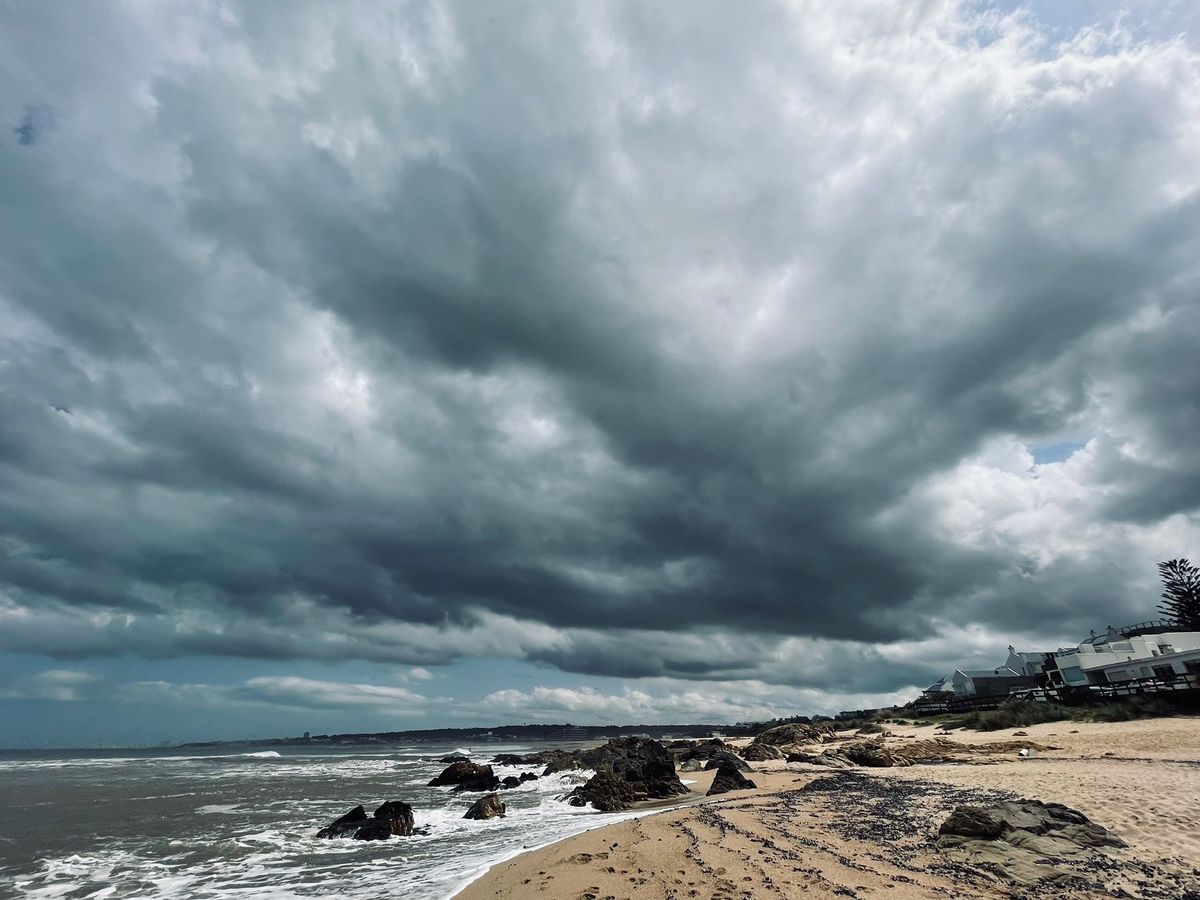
x,y
812,831
695,797
640,810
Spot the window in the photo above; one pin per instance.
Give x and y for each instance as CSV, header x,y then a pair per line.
x,y
1166,673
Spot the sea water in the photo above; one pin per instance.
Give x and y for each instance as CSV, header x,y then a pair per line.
x,y
241,825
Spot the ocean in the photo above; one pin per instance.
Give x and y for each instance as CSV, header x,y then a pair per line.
x,y
228,825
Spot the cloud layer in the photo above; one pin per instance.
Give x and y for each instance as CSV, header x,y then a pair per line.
x,y
657,342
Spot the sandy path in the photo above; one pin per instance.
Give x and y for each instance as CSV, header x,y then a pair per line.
x,y
810,832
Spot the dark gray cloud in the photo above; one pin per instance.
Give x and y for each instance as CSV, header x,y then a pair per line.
x,y
635,341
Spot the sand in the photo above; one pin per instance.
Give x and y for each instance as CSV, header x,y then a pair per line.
x,y
812,832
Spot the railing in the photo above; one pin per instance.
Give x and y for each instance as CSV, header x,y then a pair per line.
x,y
1157,626
1185,684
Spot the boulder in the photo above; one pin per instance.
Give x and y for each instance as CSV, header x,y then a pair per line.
x,y
392,818
528,776
511,781
486,807
605,792
627,770
461,772
829,759
762,752
874,754
793,733
702,751
1027,841
453,758
516,759
972,822
730,778
476,785
726,758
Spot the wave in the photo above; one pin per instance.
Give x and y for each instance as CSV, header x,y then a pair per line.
x,y
263,754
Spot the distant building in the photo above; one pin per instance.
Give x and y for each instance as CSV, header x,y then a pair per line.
x,y
569,733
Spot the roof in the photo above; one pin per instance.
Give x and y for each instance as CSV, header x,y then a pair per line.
x,y
1001,672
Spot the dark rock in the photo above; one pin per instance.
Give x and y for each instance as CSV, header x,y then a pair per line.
x,y
454,757
486,807
606,793
972,822
703,750
461,772
393,818
627,770
528,776
729,778
475,785
874,754
794,733
726,758
510,781
346,825
516,759
762,752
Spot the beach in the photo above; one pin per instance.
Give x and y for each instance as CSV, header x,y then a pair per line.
x,y
810,831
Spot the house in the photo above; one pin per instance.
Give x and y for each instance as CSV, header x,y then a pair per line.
x,y
1032,664
1149,650
989,682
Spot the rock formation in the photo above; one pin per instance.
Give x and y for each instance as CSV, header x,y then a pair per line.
x,y
392,818
1026,841
729,778
486,807
627,770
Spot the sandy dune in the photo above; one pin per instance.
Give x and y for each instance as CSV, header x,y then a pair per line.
x,y
812,832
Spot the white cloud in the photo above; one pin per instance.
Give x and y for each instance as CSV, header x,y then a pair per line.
x,y
53,685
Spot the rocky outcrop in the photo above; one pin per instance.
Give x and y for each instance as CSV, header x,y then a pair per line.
x,y
1026,841
453,758
467,776
829,758
606,793
393,818
489,806
476,785
702,750
460,772
761,752
874,754
794,733
510,781
726,758
528,776
627,770
729,778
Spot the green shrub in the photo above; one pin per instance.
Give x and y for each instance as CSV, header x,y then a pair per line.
x,y
1138,707
1015,714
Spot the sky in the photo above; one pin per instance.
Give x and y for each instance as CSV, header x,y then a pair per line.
x,y
388,365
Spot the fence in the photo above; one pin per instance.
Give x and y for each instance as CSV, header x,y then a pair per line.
x,y
1181,686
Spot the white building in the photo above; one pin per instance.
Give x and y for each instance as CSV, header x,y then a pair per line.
x,y
1150,651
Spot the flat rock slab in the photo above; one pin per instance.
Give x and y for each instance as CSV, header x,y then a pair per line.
x,y
1027,841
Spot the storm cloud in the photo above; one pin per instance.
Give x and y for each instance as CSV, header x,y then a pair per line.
x,y
654,341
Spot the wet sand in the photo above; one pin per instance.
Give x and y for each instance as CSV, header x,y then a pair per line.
x,y
812,832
